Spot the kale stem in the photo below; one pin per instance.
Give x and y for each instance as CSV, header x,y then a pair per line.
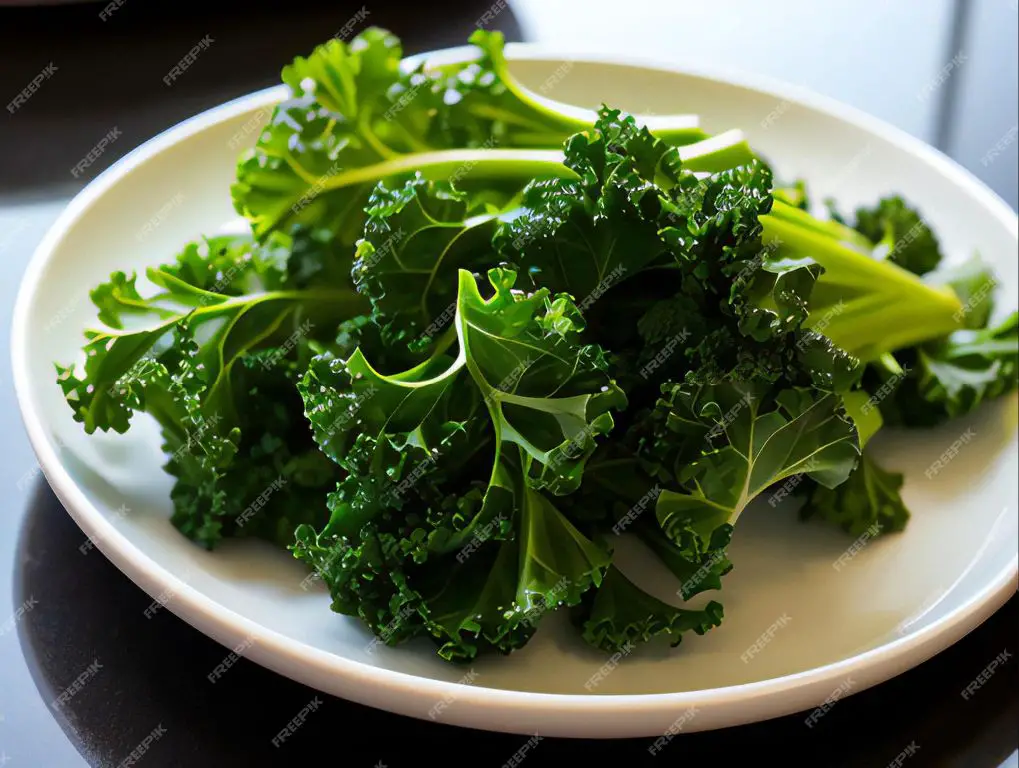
x,y
866,306
718,153
353,304
675,129
833,229
440,165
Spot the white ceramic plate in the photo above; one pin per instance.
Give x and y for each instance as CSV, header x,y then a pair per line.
x,y
897,602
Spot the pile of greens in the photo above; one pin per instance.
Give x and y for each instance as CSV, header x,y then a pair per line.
x,y
475,335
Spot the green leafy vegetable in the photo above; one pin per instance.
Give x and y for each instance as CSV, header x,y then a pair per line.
x,y
520,388
868,500
225,446
900,235
950,377
476,335
622,615
761,440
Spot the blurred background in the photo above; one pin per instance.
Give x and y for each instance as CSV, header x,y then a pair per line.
x,y
943,70
946,71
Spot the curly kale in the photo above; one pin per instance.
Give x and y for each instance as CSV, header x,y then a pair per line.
x,y
475,336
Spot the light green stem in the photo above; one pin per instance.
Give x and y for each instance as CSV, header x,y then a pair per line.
x,y
866,306
717,153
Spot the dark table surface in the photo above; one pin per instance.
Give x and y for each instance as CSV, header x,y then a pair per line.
x,y
151,673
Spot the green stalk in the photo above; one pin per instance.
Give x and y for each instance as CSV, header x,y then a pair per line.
x,y
676,130
717,153
841,232
441,164
866,306
346,300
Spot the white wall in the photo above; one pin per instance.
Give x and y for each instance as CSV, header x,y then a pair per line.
x,y
983,133
879,55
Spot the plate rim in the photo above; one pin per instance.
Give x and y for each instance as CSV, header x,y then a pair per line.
x,y
410,694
